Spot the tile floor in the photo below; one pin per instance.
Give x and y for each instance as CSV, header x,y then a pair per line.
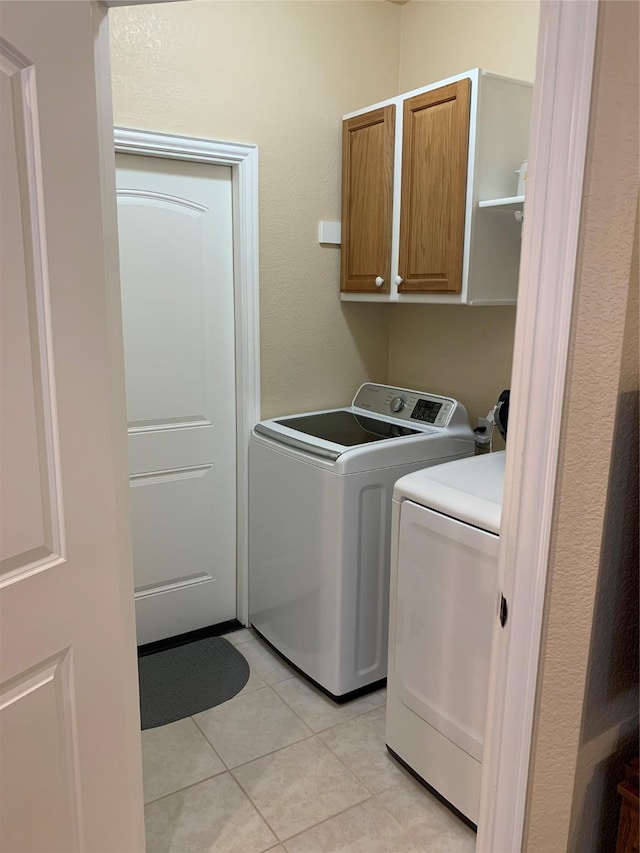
x,y
282,768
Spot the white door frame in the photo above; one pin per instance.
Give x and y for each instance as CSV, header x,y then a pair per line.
x,y
557,151
243,160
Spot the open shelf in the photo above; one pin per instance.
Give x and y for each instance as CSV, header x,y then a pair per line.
x,y
515,202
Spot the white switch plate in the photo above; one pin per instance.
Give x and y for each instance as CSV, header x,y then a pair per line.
x,y
330,232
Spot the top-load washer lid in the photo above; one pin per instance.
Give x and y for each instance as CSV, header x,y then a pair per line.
x,y
330,434
389,423
346,428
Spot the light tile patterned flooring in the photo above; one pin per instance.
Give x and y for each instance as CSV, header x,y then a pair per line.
x,y
282,768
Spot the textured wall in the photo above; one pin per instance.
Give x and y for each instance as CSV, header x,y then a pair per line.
x,y
609,734
586,710
280,75
462,351
465,352
439,39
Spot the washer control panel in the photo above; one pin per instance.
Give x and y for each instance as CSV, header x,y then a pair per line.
x,y
405,404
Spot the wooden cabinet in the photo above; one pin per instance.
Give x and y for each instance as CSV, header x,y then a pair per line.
x,y
412,183
435,144
367,196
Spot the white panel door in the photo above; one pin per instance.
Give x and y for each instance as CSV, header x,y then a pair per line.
x,y
70,775
445,606
176,266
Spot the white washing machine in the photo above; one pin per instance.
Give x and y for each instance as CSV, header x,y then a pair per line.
x,y
443,603
320,487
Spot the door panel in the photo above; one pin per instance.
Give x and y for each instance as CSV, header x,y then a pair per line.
x,y
446,598
163,245
171,529
28,443
47,756
367,195
69,714
175,227
435,144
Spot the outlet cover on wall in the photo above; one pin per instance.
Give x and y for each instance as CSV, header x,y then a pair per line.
x,y
329,233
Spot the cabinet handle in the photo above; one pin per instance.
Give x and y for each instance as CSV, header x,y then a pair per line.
x,y
398,280
379,281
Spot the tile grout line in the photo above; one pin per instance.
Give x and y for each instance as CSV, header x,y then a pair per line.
x,y
333,752
337,814
303,681
225,769
370,794
271,655
248,796
233,778
279,840
312,734
299,716
326,728
190,785
203,733
297,676
349,719
263,755
312,826
330,748
320,731
349,771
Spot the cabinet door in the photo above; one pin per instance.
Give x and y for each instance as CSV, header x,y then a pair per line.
x,y
367,190
434,181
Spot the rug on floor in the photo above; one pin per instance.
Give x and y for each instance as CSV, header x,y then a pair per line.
x,y
178,682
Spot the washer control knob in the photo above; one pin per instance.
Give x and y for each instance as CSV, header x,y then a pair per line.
x,y
397,404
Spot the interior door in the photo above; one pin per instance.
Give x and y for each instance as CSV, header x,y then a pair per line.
x,y
176,266
70,774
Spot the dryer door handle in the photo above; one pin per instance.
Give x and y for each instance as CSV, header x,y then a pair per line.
x,y
504,611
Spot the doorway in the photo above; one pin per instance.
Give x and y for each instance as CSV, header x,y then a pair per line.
x,y
187,213
84,336
289,297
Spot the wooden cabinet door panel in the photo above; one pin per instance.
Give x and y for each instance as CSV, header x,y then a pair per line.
x,y
367,196
434,181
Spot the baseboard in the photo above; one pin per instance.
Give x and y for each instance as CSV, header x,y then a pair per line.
x,y
189,637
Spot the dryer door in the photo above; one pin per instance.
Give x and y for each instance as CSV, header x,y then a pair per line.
x,y
445,604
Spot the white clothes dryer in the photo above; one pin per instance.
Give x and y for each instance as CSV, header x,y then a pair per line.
x,y
320,487
443,602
